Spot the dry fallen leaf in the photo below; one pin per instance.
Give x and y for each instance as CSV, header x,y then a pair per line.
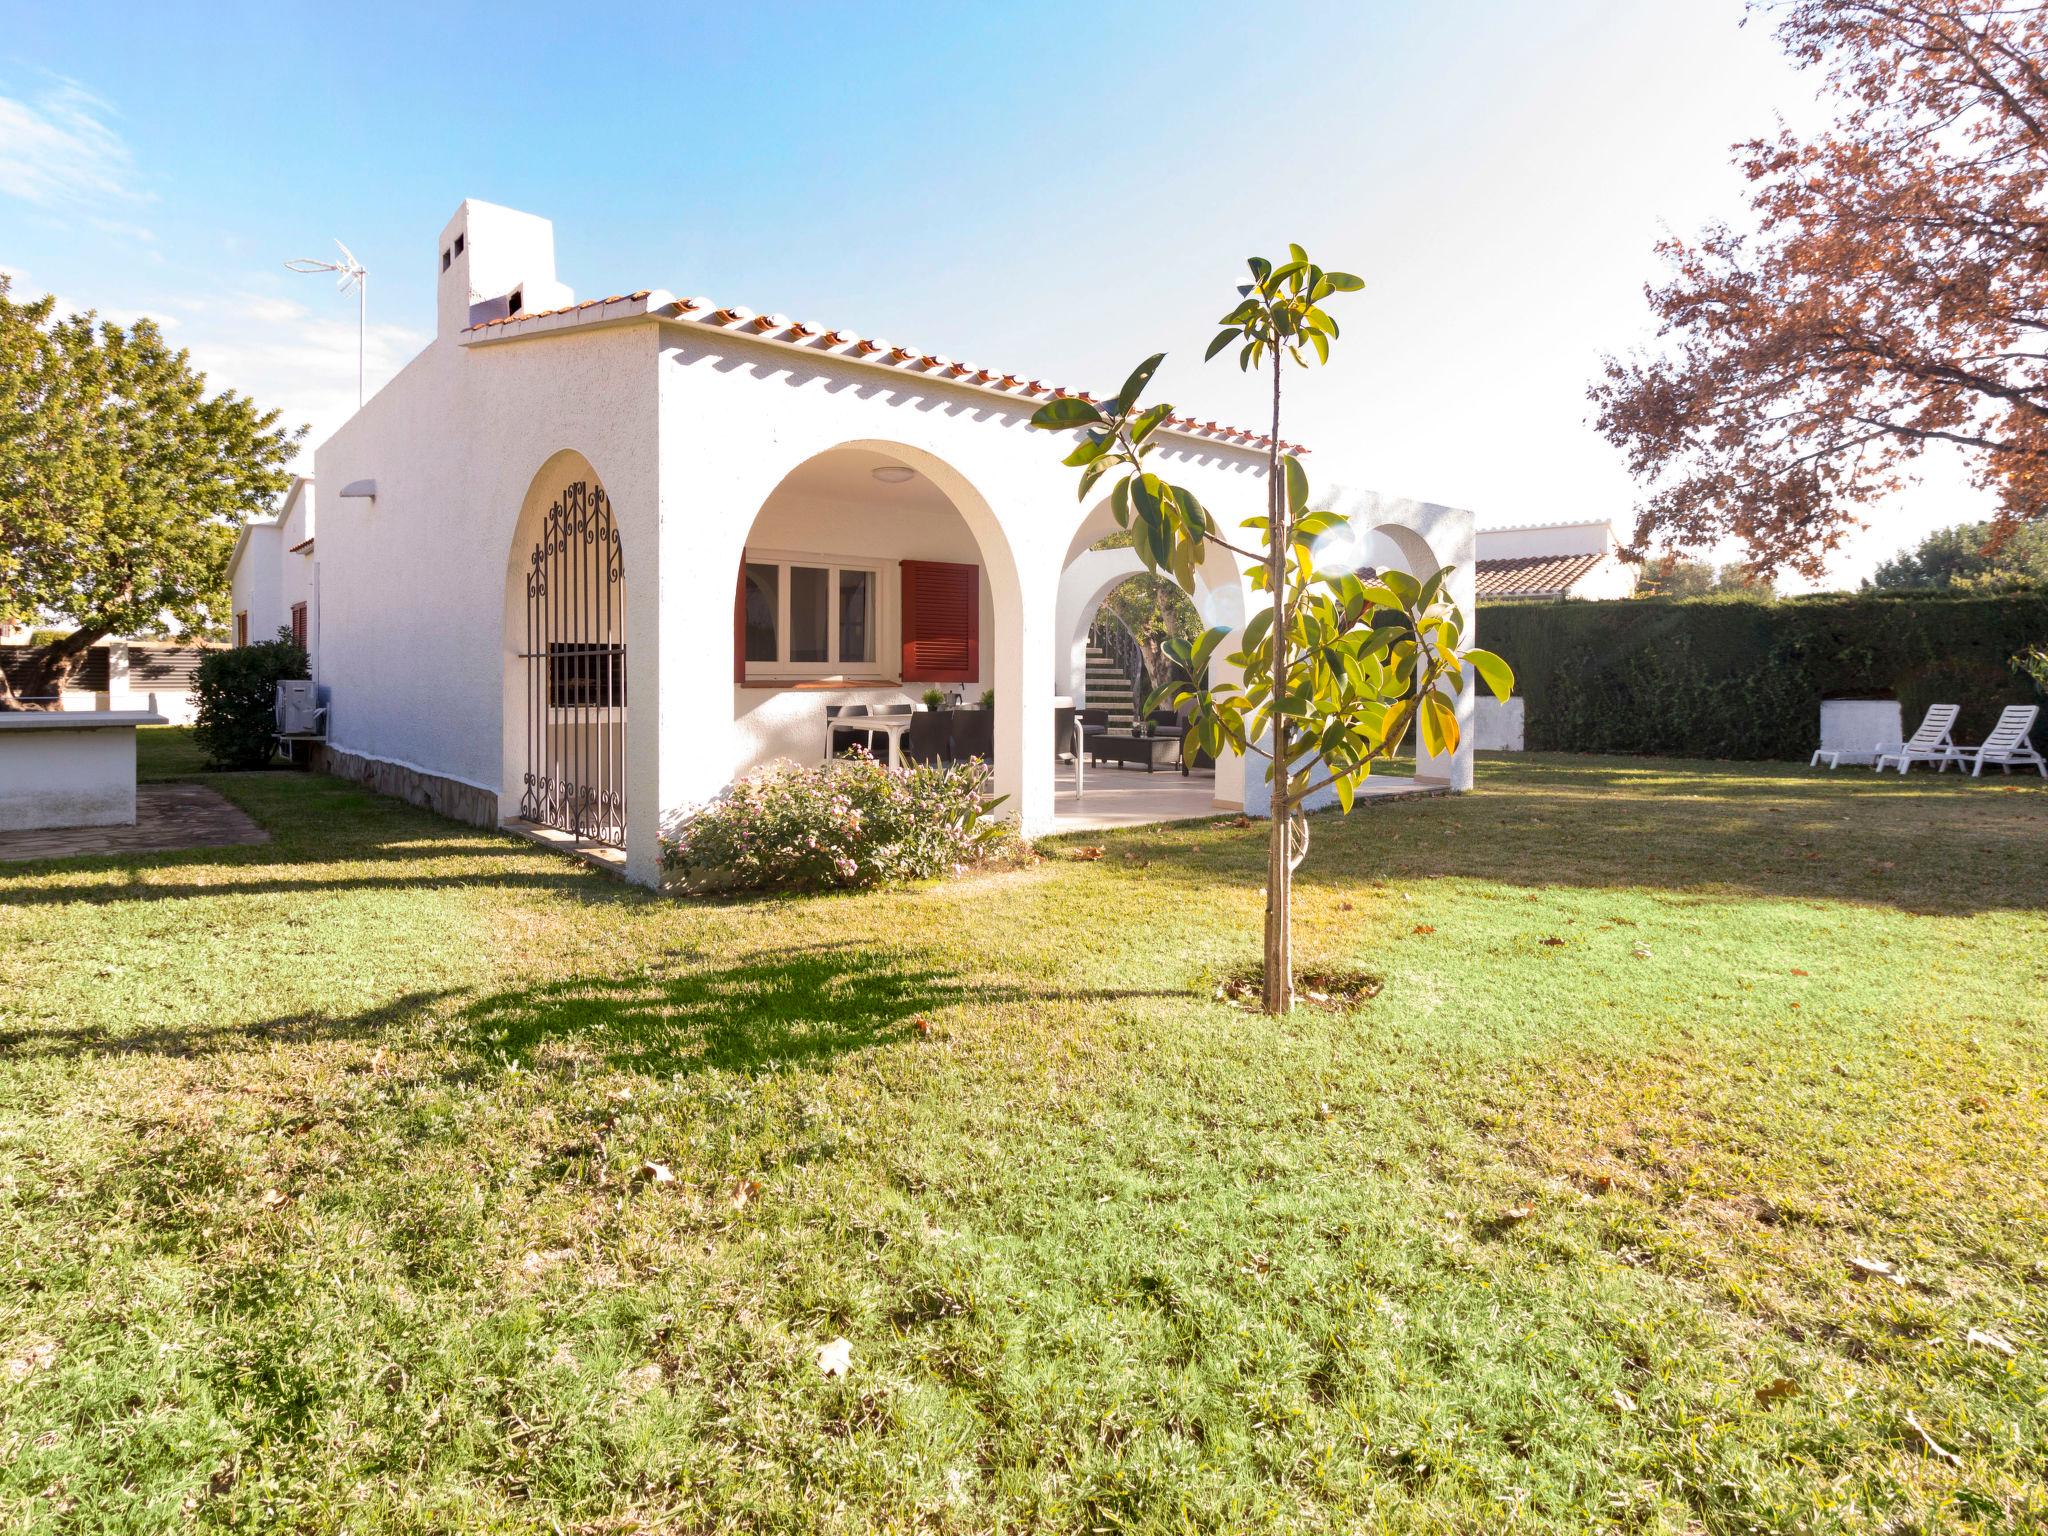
x,y
922,1025
1640,951
1934,1446
1425,927
1623,1401
25,1359
654,1173
836,1358
380,1061
1797,972
743,1191
1088,853
1770,1392
1990,1341
1874,1267
1551,941
1518,1213
1324,1112
273,1199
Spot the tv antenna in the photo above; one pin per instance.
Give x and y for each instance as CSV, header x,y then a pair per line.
x,y
351,277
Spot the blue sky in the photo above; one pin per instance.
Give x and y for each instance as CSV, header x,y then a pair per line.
x,y
1057,190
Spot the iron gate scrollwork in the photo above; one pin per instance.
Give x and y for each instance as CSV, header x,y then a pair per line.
x,y
576,671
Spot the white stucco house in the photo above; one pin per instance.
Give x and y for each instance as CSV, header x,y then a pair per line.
x,y
275,574
582,564
1549,562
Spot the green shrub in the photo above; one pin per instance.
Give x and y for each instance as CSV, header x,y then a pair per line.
x,y
846,824
1738,677
236,722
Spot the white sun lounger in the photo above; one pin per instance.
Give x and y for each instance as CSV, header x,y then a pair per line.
x,y
1930,744
2007,744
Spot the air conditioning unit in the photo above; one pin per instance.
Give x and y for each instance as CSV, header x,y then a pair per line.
x,y
299,710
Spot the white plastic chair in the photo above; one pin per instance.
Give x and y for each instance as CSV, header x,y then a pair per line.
x,y
2007,744
1930,744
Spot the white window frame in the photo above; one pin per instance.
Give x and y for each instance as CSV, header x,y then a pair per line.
x,y
882,623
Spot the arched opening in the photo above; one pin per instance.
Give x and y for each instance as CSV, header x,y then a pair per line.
x,y
1098,673
874,583
565,659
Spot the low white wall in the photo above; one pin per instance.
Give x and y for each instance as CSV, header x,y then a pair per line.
x,y
1859,729
76,770
1497,723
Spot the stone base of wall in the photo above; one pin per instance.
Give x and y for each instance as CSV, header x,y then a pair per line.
x,y
446,797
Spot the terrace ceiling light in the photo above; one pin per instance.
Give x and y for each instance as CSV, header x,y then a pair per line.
x,y
893,474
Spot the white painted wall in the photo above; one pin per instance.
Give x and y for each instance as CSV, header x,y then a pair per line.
x,y
256,579
1497,723
68,770
1859,729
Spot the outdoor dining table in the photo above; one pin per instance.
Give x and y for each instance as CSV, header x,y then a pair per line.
x,y
892,726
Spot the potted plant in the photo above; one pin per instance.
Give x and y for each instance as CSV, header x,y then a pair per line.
x,y
934,698
988,698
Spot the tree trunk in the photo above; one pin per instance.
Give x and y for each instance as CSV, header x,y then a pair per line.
x,y
48,668
1279,981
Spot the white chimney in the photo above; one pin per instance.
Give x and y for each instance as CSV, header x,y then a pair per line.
x,y
493,262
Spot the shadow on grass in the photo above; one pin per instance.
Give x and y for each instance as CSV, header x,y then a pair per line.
x,y
769,1010
65,1041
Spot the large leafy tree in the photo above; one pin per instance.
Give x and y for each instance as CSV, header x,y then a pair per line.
x,y
1968,557
1338,668
1892,296
122,483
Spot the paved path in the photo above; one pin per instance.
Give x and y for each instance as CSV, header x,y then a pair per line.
x,y
168,818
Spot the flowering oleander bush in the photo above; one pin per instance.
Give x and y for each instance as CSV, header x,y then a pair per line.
x,y
847,824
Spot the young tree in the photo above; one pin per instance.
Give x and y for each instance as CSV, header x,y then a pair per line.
x,y
1968,557
121,483
1893,297
1337,669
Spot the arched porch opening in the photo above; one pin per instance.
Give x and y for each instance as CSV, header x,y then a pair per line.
x,y
1098,562
872,575
564,659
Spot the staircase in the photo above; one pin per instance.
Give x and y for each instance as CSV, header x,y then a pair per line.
x,y
1109,687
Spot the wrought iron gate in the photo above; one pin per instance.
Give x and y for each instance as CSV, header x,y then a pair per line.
x,y
576,671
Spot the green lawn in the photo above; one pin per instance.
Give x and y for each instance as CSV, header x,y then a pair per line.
x,y
319,1208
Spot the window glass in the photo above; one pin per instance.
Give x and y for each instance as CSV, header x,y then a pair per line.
x,y
810,589
763,589
856,620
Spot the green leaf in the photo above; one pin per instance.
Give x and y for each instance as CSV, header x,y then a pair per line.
x,y
1261,269
1493,671
1058,415
1120,502
1321,343
1140,377
1403,586
1088,450
1255,629
1144,426
1300,256
1095,472
1223,339
1344,282
1297,484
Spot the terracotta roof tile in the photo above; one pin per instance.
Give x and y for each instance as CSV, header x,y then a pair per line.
x,y
1533,575
789,332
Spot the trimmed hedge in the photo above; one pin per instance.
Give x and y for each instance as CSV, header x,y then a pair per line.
x,y
1740,677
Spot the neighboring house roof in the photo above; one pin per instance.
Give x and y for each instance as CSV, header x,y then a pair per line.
x,y
1534,575
865,349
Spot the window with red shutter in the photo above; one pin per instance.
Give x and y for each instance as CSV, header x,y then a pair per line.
x,y
299,625
941,622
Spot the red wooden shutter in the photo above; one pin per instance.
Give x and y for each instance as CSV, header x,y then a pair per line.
x,y
941,622
739,625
